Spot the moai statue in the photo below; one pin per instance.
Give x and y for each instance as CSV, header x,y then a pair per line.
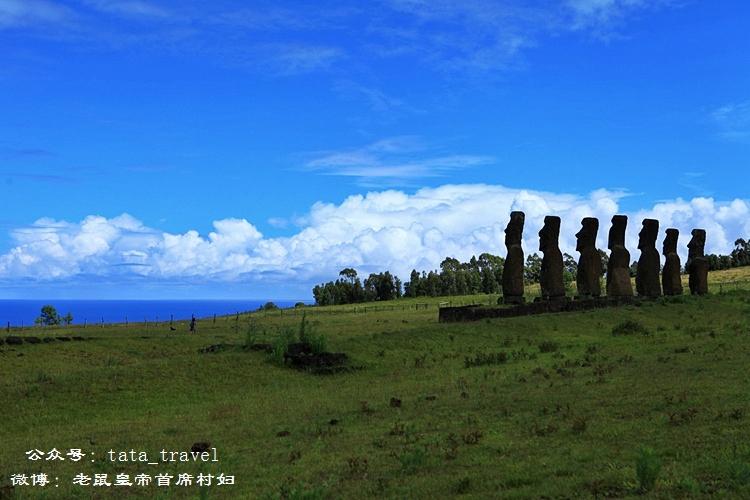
x,y
618,268
590,263
647,276
697,263
514,262
670,276
551,281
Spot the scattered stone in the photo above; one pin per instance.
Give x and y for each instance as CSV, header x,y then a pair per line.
x,y
395,403
430,398
321,363
513,286
297,349
618,268
32,340
551,279
697,263
47,340
300,355
13,340
79,339
63,339
647,277
590,263
671,280
333,421
282,434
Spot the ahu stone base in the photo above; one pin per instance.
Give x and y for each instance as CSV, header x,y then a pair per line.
x,y
478,312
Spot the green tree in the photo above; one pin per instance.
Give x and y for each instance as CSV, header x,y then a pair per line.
x,y
491,272
48,316
433,284
348,273
412,287
532,272
569,264
634,269
605,260
67,319
741,253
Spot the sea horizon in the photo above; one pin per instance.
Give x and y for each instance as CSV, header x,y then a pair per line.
x,y
23,312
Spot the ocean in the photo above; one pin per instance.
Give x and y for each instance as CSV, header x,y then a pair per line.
x,y
23,312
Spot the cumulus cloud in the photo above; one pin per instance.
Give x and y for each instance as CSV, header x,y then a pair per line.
x,y
379,230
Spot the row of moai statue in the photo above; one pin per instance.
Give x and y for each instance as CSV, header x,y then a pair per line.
x,y
590,263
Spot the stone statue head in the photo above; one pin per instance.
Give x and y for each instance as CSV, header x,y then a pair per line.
x,y
550,233
514,230
696,247
587,235
649,233
670,241
617,231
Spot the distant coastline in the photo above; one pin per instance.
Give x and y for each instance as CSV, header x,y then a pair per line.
x,y
20,312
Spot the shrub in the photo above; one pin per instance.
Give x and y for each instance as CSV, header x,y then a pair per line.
x,y
269,306
307,335
67,319
579,425
463,486
481,359
318,344
252,334
281,345
647,468
630,327
304,329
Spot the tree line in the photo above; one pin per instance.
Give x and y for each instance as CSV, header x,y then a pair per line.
x,y
739,257
478,275
349,288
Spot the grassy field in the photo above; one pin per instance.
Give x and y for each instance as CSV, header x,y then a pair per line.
x,y
638,401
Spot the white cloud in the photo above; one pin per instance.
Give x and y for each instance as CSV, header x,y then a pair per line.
x,y
733,121
590,12
465,40
296,59
393,160
372,232
16,13
132,8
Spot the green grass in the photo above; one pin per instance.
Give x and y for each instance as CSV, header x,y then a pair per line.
x,y
567,410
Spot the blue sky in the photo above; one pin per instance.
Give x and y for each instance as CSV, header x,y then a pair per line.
x,y
276,115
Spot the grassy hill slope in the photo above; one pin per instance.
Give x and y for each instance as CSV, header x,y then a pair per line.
x,y
545,406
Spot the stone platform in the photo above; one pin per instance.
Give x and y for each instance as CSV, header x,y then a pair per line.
x,y
478,312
